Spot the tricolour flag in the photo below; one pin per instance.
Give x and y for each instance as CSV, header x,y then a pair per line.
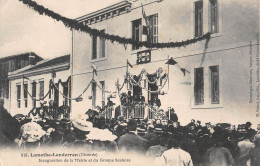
x,y
146,28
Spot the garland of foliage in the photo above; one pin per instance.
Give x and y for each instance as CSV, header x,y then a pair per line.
x,y
74,24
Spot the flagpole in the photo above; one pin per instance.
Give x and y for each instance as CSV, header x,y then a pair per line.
x,y
168,73
127,85
93,72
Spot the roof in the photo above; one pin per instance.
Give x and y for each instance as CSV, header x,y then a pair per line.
x,y
51,62
122,7
21,56
45,66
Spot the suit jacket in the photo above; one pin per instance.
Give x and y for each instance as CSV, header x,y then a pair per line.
x,y
9,127
132,142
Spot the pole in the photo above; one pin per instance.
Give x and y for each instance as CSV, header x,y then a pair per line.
x,y
168,73
127,85
71,70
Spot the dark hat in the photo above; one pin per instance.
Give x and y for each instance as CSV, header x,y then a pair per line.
x,y
248,123
132,125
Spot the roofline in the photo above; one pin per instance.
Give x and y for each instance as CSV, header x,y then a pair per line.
x,y
40,71
104,10
10,56
27,67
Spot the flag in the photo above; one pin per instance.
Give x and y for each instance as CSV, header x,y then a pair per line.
x,y
129,64
184,71
145,30
147,27
145,17
164,76
171,62
94,68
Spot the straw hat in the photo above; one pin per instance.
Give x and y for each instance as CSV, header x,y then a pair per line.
x,y
101,135
82,124
32,132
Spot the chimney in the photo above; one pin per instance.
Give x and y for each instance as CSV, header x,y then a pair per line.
x,y
31,59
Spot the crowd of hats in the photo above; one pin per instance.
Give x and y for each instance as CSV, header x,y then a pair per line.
x,y
83,129
99,134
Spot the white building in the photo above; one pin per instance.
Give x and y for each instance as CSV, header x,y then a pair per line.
x,y
30,85
221,83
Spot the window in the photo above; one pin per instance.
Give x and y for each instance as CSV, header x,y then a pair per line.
x,y
136,31
153,29
94,47
34,93
94,94
25,95
143,57
56,95
199,86
65,93
207,89
198,18
18,87
213,16
4,88
1,88
103,91
214,79
102,46
41,89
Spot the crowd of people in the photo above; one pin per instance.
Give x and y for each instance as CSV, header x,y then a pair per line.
x,y
164,141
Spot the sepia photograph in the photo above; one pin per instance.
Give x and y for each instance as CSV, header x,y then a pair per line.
x,y
129,83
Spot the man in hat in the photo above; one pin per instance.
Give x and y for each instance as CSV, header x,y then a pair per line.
x,y
9,127
254,154
129,98
175,155
131,141
173,116
218,155
245,146
156,101
155,151
249,130
150,135
81,128
190,146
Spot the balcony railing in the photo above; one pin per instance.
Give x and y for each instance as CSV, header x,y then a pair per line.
x,y
51,112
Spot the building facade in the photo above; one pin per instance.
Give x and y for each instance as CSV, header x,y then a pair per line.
x,y
214,80
32,86
10,64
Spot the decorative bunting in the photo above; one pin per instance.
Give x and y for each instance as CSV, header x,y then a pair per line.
x,y
70,23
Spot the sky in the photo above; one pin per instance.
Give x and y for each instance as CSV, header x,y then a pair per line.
x,y
24,30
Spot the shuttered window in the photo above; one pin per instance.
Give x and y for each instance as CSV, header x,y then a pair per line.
x,y
102,46
18,88
199,86
214,16
34,94
214,74
25,95
153,36
41,89
94,47
136,32
198,18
